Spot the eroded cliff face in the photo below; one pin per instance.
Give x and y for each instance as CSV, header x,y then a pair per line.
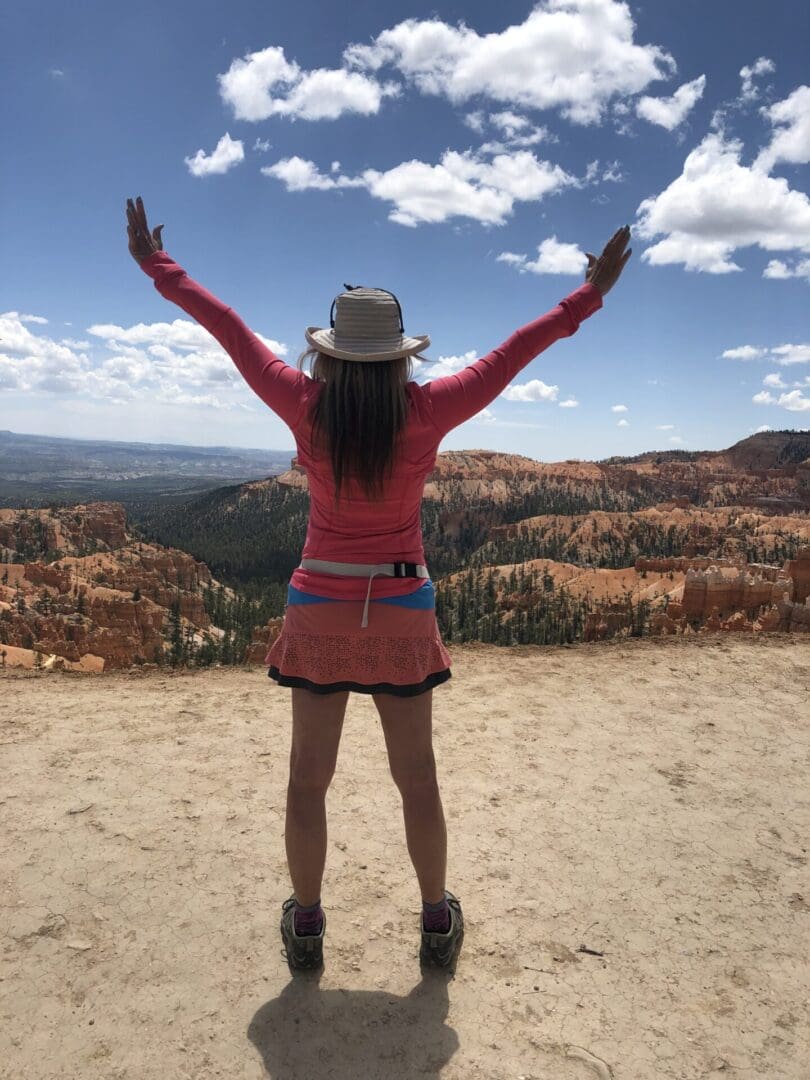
x,y
81,610
685,595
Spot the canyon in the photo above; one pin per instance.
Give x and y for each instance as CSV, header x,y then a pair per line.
x,y
80,589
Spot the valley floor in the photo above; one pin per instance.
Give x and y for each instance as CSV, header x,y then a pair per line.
x,y
628,829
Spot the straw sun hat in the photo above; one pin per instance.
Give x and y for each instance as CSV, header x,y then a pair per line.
x,y
365,324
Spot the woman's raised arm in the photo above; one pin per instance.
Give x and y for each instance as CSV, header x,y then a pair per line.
x,y
455,398
279,385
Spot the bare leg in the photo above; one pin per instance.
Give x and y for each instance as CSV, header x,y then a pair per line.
x,y
317,727
408,728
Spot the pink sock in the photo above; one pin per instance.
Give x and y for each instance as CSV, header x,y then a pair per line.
x,y
436,917
308,920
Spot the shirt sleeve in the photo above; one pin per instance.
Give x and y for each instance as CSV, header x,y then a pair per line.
x,y
453,399
279,385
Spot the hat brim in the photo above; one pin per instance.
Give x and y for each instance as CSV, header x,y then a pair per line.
x,y
324,341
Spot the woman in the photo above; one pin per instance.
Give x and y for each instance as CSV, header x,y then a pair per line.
x,y
367,437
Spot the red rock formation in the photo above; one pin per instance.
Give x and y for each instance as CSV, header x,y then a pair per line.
x,y
82,605
799,571
262,641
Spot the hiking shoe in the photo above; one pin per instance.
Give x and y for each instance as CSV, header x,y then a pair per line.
x,y
441,950
304,951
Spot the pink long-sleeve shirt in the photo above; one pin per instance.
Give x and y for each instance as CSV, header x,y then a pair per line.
x,y
360,531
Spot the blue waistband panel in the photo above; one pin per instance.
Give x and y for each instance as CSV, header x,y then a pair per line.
x,y
423,597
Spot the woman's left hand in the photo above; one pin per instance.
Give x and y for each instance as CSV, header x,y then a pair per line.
x,y
142,243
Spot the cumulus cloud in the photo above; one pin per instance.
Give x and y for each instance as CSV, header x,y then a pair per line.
x,y
175,363
178,334
791,139
671,111
779,270
31,318
794,401
460,185
791,354
29,360
533,390
718,205
264,84
618,408
570,55
782,354
760,67
299,174
228,152
664,427
623,423
448,365
744,352
569,403
553,257
775,380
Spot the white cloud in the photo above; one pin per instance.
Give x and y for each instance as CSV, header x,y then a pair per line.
x,y
509,123
717,205
569,403
533,390
298,174
748,74
795,401
30,318
265,83
612,173
775,380
262,144
228,152
179,334
675,439
672,111
462,184
553,257
781,354
744,352
779,270
475,120
664,427
571,55
791,354
791,140
176,363
33,361
623,423
764,427
618,408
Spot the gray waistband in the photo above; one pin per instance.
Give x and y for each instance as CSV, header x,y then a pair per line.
x,y
361,569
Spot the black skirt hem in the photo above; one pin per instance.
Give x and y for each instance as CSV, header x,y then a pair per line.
x,y
410,690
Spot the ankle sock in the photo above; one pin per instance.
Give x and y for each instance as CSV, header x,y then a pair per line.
x,y
436,917
308,920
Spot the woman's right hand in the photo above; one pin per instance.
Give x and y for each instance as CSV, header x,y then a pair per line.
x,y
604,272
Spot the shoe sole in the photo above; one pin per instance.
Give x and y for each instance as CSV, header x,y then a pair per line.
x,y
304,953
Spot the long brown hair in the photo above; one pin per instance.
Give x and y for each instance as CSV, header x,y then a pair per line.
x,y
359,415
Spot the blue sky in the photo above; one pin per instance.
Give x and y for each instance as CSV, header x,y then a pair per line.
x,y
464,157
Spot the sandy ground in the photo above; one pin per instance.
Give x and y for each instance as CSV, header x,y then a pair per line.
x,y
646,799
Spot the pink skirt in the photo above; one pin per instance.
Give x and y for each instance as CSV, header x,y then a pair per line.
x,y
323,648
